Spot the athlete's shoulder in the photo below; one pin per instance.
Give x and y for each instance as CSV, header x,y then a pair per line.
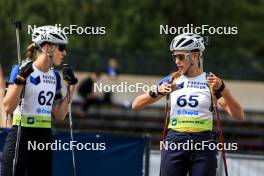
x,y
169,78
13,74
58,78
57,73
164,80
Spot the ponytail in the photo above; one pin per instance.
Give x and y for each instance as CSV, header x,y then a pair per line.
x,y
31,52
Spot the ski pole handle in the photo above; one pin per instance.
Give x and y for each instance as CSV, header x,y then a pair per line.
x,y
18,27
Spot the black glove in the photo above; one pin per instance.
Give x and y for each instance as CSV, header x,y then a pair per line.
x,y
68,75
25,69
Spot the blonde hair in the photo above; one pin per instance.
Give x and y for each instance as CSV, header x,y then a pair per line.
x,y
31,52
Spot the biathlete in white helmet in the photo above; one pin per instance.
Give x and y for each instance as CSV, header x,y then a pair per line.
x,y
42,101
191,113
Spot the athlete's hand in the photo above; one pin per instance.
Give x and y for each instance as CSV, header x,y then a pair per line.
x,y
214,81
175,75
68,75
166,88
25,69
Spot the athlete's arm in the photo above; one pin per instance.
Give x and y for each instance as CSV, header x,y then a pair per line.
x,y
227,101
59,110
17,81
12,98
145,99
230,105
165,87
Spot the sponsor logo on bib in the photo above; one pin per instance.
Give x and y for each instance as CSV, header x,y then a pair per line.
x,y
35,81
174,122
30,120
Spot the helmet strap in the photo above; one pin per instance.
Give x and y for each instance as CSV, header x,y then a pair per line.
x,y
190,67
192,64
201,61
49,55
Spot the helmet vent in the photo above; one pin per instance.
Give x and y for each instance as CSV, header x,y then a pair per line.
x,y
55,35
180,41
63,35
187,43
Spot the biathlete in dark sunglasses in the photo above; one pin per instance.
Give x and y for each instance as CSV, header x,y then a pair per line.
x,y
42,101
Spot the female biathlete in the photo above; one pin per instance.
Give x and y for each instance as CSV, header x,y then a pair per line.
x,y
42,101
191,116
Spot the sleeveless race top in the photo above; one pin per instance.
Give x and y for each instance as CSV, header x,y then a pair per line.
x,y
190,104
40,90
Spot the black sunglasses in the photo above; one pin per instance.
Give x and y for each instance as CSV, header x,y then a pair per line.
x,y
62,48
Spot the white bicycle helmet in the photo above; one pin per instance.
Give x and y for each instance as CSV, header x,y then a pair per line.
x,y
187,42
49,34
